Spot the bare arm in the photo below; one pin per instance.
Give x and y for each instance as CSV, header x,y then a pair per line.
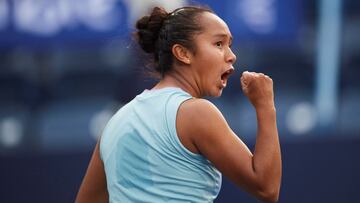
x,y
267,155
258,173
93,188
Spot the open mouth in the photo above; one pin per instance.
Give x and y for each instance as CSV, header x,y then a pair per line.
x,y
225,76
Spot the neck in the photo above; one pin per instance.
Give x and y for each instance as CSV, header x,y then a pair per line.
x,y
181,80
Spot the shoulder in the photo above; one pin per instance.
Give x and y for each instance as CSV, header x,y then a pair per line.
x,y
199,107
201,118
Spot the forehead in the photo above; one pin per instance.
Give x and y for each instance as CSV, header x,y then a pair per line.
x,y
213,25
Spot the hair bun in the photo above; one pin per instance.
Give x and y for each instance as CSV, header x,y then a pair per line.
x,y
149,28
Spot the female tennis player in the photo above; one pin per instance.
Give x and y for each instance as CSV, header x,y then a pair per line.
x,y
169,144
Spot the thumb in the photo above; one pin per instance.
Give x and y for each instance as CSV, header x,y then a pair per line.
x,y
245,81
246,78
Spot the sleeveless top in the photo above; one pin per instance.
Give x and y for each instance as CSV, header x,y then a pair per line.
x,y
144,159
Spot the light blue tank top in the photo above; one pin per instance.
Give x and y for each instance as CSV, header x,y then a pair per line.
x,y
144,159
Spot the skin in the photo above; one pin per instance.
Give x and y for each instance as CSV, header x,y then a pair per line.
x,y
200,125
93,189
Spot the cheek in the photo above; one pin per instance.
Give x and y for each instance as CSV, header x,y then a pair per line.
x,y
210,69
209,62
211,59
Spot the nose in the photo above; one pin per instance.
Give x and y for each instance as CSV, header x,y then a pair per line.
x,y
231,57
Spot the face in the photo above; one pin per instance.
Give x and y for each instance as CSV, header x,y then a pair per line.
x,y
212,62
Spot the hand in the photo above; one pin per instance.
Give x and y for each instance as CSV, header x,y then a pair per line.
x,y
258,87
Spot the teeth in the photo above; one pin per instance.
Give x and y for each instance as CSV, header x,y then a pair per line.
x,y
226,74
229,71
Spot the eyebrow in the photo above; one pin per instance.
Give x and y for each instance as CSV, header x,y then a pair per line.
x,y
224,35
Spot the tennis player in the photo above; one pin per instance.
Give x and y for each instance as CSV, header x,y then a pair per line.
x,y
169,144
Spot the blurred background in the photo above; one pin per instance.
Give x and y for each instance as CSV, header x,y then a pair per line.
x,y
67,66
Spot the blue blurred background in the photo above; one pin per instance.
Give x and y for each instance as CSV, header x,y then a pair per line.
x,y
67,66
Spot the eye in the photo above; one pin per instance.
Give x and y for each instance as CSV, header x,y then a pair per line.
x,y
219,44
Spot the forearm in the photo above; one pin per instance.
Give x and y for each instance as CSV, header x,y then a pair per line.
x,y
267,155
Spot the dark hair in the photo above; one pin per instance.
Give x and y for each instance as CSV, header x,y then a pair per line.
x,y
160,30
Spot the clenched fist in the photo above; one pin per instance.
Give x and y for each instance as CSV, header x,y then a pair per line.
x,y
258,87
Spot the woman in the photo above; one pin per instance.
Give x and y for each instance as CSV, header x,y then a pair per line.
x,y
170,145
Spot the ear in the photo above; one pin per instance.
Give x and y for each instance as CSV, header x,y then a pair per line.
x,y
181,53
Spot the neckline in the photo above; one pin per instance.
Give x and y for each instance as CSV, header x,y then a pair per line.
x,y
154,92
163,89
